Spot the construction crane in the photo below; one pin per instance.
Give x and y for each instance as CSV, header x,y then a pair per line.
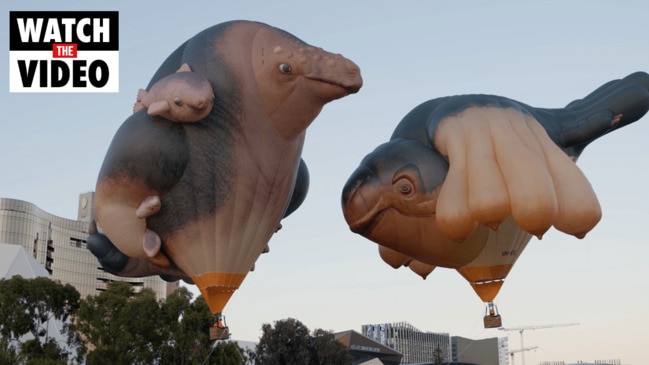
x,y
523,328
512,352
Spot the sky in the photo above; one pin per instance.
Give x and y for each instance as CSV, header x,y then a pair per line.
x,y
543,53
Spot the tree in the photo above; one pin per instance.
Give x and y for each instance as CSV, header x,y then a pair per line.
x,y
327,350
286,343
26,308
173,349
121,326
8,353
188,340
227,353
290,342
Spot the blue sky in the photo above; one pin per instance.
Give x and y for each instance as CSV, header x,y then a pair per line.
x,y
544,53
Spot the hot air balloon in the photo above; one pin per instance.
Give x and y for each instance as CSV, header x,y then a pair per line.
x,y
465,181
198,196
487,272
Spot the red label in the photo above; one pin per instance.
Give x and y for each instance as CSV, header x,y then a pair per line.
x,y
64,50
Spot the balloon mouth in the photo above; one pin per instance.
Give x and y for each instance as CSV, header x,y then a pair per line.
x,y
376,218
336,88
218,287
420,208
366,225
348,81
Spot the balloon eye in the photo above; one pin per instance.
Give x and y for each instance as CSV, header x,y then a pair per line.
x,y
178,102
403,186
405,189
285,68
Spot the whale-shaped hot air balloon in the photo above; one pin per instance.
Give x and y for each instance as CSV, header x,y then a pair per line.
x,y
200,198
465,181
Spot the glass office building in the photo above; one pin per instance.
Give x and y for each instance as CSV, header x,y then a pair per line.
x,y
59,245
415,345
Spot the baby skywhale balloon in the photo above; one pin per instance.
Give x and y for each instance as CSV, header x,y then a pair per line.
x,y
465,181
199,198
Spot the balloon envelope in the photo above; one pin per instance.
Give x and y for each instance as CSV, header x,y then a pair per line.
x,y
487,272
220,184
456,165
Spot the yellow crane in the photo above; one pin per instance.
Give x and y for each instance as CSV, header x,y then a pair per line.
x,y
523,328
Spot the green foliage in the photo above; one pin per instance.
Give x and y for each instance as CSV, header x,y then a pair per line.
x,y
286,343
188,339
47,353
290,342
118,326
327,350
26,308
227,353
101,323
124,327
8,354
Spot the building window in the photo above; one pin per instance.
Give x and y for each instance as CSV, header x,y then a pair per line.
x,y
77,242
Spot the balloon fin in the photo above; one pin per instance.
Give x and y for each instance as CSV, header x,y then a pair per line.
x,y
185,68
150,206
138,102
151,243
159,107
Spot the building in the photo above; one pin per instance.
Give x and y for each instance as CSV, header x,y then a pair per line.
x,y
366,351
14,260
596,362
59,245
487,351
416,346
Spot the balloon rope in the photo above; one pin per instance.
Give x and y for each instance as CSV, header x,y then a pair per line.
x,y
213,347
210,354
